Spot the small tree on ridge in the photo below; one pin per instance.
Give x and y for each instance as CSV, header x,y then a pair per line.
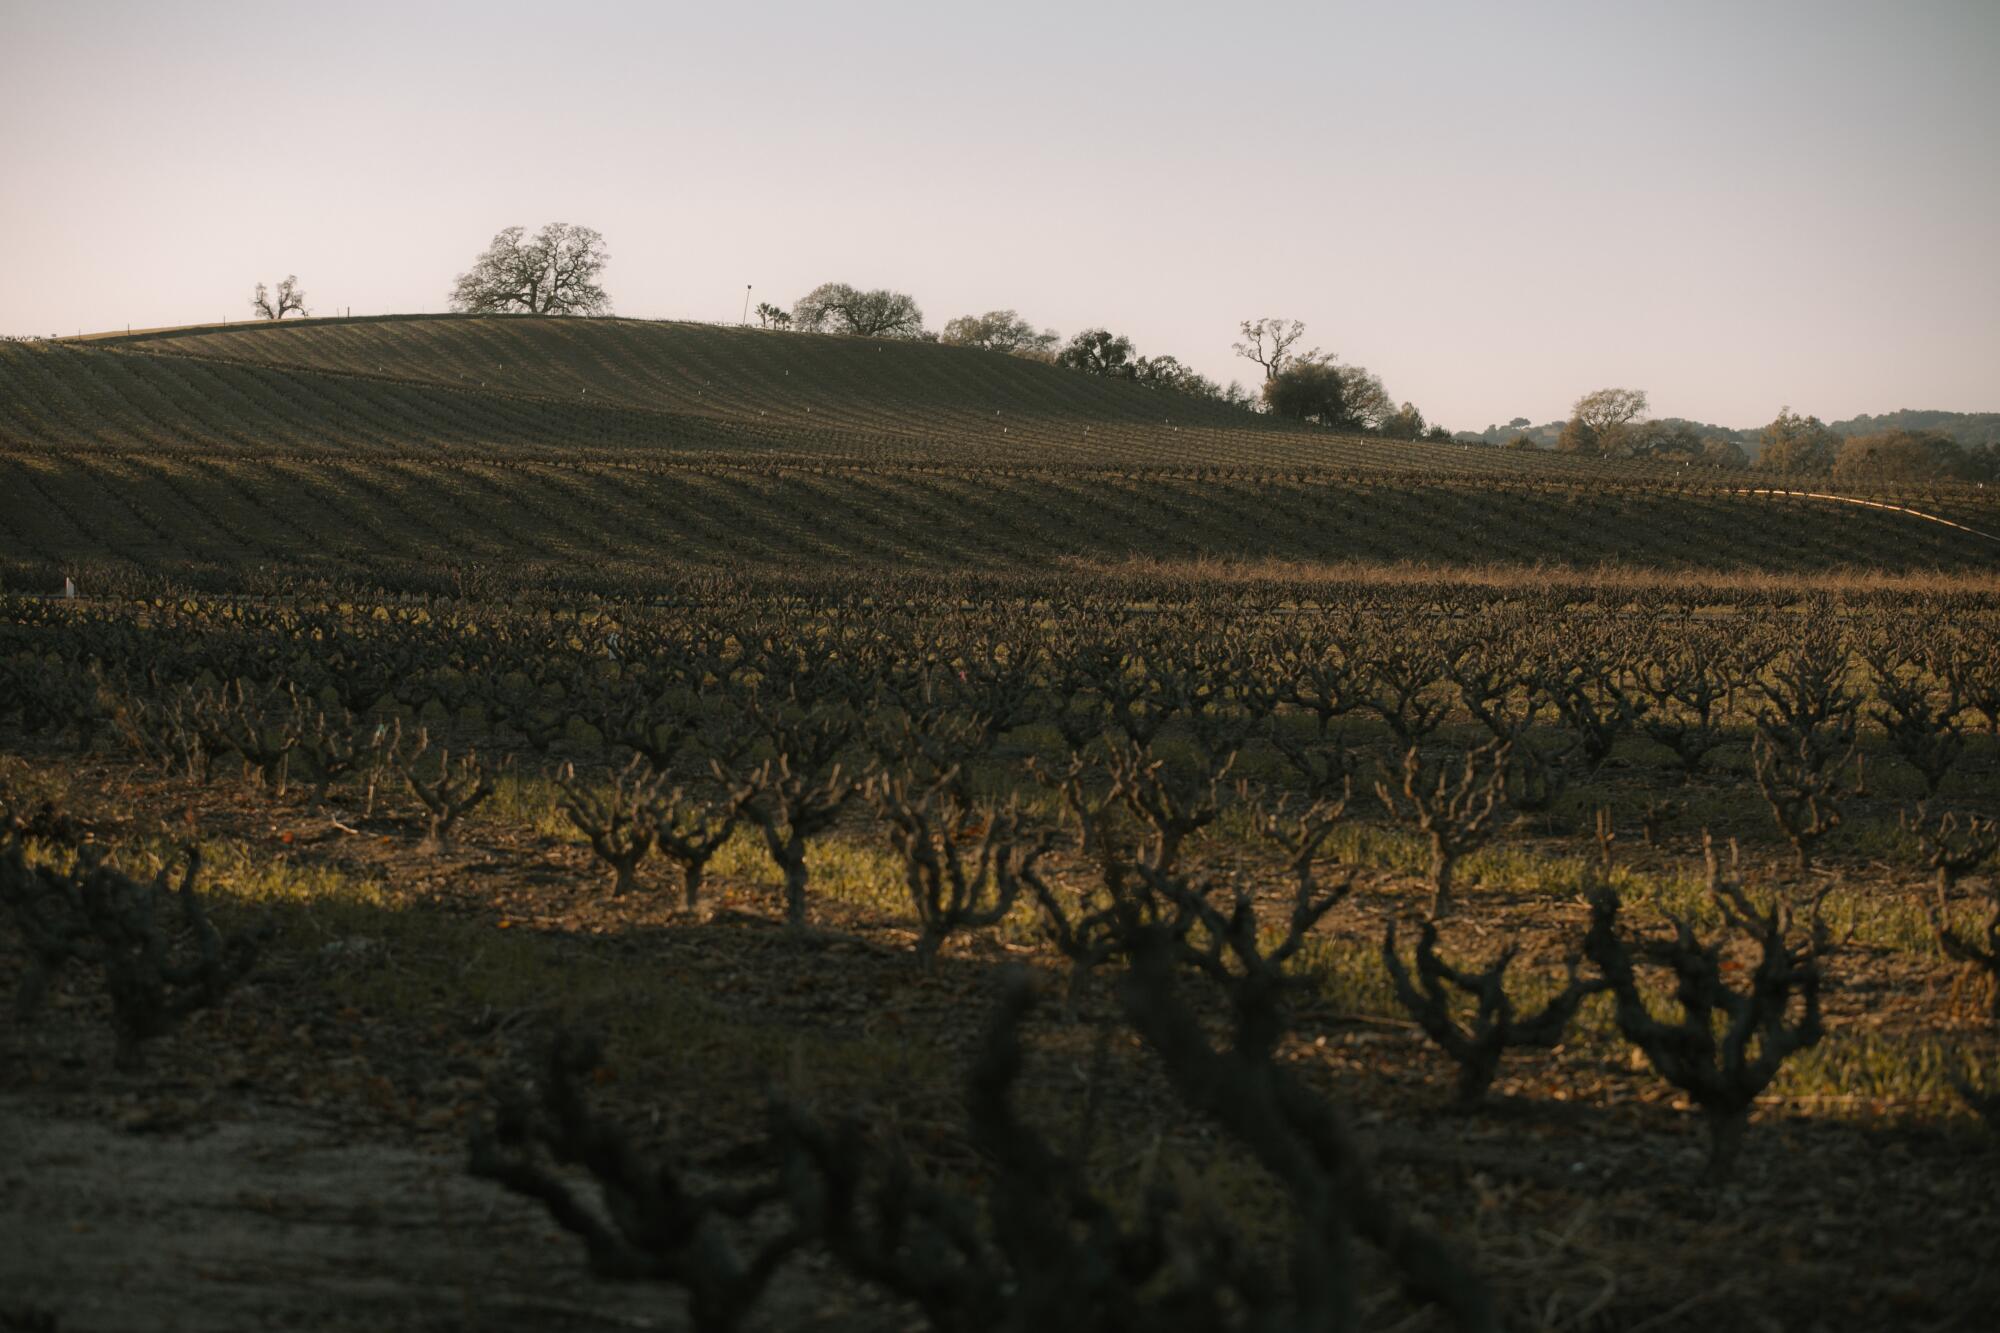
x,y
290,297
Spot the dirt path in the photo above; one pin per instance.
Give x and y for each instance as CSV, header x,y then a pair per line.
x,y
272,1219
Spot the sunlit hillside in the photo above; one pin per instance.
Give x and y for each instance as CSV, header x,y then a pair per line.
x,y
673,385
387,448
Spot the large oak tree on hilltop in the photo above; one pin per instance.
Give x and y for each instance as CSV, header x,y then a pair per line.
x,y
552,273
835,307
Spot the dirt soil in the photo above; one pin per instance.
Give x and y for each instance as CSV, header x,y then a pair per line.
x,y
263,1217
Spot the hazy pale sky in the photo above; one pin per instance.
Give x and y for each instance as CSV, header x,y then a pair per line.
x,y
1495,207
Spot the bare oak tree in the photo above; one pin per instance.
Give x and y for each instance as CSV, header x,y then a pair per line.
x,y
552,273
1269,342
289,298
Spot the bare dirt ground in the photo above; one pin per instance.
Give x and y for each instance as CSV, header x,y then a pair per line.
x,y
259,1217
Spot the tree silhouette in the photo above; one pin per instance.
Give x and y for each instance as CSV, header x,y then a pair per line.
x,y
289,298
552,273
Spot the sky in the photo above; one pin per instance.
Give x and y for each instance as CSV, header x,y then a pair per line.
x,y
1497,208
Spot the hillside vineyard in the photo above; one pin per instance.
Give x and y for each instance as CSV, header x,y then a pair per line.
x,y
608,450
931,839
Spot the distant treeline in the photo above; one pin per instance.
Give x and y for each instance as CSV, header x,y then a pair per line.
x,y
1969,430
1966,429
1898,446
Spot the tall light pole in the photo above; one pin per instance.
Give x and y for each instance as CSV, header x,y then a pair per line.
x,y
746,303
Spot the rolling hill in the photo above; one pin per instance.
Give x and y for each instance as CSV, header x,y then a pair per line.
x,y
565,450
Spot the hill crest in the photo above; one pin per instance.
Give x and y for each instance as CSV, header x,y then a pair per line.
x,y
816,395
